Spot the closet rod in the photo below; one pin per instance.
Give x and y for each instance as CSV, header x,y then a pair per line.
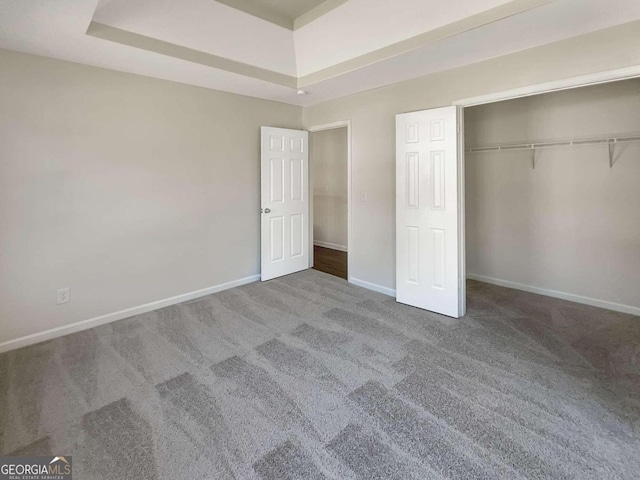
x,y
566,143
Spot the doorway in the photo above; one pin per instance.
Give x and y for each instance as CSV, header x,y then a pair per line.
x,y
551,189
416,133
329,179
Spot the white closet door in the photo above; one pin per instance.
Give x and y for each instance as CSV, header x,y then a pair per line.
x,y
429,243
285,202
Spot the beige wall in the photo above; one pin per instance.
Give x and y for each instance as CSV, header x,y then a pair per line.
x,y
572,224
372,116
329,177
131,190
126,189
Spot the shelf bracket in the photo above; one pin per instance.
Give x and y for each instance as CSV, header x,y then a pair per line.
x,y
612,149
533,158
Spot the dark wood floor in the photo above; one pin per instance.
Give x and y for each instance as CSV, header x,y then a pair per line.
x,y
330,261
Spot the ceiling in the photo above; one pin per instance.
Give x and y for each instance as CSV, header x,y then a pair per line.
x,y
272,48
291,14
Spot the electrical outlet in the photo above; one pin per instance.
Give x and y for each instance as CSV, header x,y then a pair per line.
x,y
63,296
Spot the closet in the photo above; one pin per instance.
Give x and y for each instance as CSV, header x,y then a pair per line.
x,y
553,194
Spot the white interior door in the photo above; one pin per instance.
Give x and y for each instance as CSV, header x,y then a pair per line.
x,y
285,202
429,228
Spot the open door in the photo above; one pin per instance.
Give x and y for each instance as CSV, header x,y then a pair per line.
x,y
284,202
429,229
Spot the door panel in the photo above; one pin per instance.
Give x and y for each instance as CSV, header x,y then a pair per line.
x,y
297,226
428,211
276,180
284,202
297,179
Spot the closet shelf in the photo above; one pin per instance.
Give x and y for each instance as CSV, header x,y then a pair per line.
x,y
610,142
564,143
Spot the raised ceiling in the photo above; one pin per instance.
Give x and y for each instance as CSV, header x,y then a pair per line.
x,y
291,14
333,48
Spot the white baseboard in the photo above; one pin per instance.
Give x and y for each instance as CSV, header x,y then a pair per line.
x,y
122,314
332,246
594,302
372,286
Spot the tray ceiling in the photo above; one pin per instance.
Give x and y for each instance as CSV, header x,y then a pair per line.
x,y
338,47
289,14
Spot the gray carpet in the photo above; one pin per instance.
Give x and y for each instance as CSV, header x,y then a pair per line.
x,y
310,377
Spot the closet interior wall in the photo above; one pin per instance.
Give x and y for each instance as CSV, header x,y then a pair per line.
x,y
572,223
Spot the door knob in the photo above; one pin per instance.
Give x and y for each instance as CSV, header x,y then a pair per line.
x,y
267,210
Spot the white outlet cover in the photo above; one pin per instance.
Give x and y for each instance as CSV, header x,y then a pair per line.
x,y
62,296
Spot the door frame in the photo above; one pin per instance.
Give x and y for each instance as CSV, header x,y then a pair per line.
x,y
598,78
321,128
553,86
